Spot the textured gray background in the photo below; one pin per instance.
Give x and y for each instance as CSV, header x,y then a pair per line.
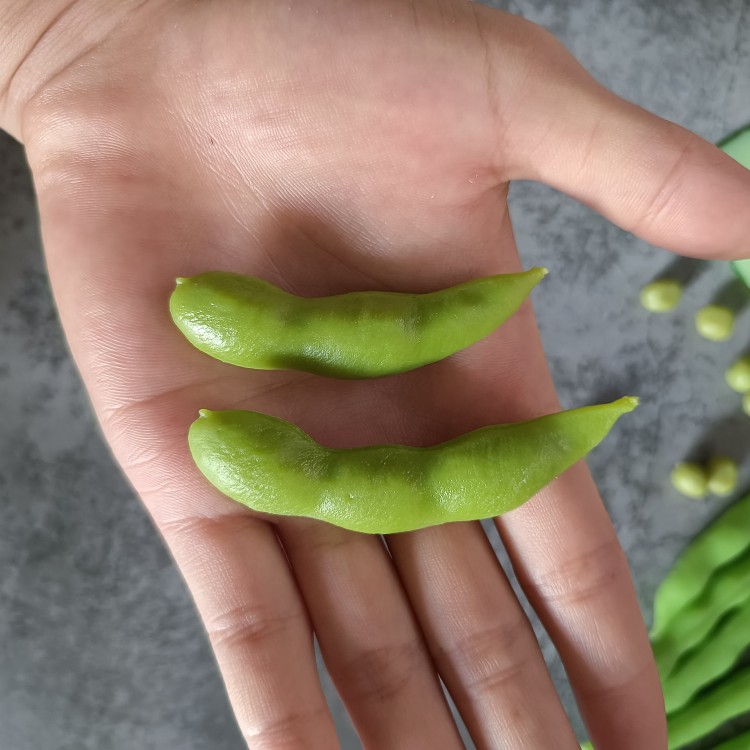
x,y
100,646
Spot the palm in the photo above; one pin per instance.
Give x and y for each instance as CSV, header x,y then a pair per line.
x,y
328,147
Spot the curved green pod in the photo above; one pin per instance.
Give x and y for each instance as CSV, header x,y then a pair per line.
x,y
710,659
719,543
248,322
728,588
710,710
740,742
737,145
272,466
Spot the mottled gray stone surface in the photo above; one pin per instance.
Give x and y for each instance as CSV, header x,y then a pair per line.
x,y
100,646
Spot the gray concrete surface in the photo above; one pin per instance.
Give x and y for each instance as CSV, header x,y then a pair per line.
x,y
100,647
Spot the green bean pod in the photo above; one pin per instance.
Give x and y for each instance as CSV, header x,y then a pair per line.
x,y
248,322
710,659
272,466
737,145
708,712
740,742
720,542
727,589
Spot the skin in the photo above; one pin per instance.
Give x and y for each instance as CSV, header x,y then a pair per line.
x,y
272,466
248,322
718,544
727,700
712,658
278,140
728,587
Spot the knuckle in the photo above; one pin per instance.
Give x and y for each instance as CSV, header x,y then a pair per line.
x,y
491,658
292,731
584,577
249,625
379,673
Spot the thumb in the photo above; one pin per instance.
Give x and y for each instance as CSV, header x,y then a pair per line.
x,y
645,174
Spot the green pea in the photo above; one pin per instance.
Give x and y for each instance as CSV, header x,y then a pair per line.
x,y
710,659
248,322
272,466
728,588
709,711
718,544
740,742
738,375
690,480
715,322
722,476
661,296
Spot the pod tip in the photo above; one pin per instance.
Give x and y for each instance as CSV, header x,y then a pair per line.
x,y
180,280
630,402
202,413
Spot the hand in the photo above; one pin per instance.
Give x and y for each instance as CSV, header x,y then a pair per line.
x,y
328,147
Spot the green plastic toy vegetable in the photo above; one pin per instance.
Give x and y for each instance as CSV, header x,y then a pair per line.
x,y
738,375
248,322
737,145
661,296
715,323
713,657
727,588
740,742
272,466
690,480
718,544
709,711
722,476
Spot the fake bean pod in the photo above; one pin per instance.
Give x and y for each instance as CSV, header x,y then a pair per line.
x,y
248,322
709,711
714,656
728,588
274,467
721,541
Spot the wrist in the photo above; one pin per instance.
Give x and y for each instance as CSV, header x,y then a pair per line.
x,y
39,39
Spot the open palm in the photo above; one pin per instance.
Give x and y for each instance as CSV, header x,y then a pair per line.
x,y
336,146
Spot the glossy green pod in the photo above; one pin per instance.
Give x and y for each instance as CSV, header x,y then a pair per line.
x,y
737,146
720,542
710,710
272,466
728,588
713,657
249,322
740,742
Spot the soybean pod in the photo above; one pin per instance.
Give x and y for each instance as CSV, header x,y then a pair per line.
x,y
728,588
248,322
273,466
710,659
708,712
720,542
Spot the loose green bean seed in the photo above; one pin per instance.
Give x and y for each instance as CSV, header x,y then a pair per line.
x,y
690,480
248,322
728,588
718,544
738,375
274,467
722,476
715,322
708,712
740,742
661,296
710,659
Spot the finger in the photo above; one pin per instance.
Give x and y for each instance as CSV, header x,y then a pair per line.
x,y
647,175
482,642
574,573
258,628
371,644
